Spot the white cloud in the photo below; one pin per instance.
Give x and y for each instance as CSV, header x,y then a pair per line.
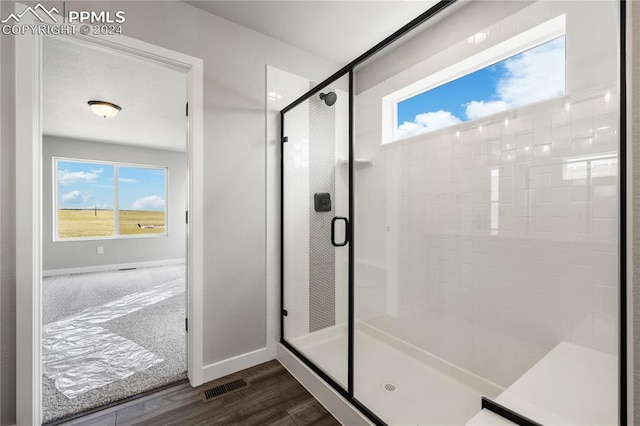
x,y
409,128
76,197
531,76
72,197
127,180
436,120
534,75
477,109
426,122
151,202
66,177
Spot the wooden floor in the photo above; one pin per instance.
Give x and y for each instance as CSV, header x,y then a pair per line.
x,y
273,397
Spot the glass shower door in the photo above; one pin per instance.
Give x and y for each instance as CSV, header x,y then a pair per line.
x,y
487,247
315,230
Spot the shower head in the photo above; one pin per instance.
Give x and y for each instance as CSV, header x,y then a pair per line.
x,y
329,98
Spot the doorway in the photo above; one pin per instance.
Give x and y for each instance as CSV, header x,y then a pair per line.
x,y
31,226
114,192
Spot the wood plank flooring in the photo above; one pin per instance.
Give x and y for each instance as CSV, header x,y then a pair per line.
x,y
273,397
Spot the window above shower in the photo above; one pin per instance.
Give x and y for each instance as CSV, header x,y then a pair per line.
x,y
524,69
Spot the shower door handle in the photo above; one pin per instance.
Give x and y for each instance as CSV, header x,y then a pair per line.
x,y
333,231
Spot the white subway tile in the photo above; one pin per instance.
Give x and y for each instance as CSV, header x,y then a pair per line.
x,y
541,217
522,200
491,131
509,141
561,201
561,262
605,300
582,145
605,335
581,281
580,191
561,227
542,129
581,253
561,140
524,124
581,322
605,230
581,218
509,157
581,128
605,202
542,153
605,269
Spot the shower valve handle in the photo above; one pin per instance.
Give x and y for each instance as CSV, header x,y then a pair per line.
x,y
333,231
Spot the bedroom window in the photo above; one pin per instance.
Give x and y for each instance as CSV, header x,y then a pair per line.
x,y
108,200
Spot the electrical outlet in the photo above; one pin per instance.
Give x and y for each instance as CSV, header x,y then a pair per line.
x,y
100,250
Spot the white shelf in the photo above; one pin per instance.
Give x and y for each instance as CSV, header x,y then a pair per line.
x,y
358,162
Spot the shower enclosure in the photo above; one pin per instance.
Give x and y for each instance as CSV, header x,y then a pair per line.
x,y
453,219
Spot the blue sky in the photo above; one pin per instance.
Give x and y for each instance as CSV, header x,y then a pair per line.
x,y
530,76
141,189
89,185
452,96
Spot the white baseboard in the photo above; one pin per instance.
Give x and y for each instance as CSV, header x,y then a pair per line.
x,y
339,408
103,268
237,363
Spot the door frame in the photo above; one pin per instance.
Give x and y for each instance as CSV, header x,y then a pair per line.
x,y
29,208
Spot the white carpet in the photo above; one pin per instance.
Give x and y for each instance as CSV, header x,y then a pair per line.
x,y
111,335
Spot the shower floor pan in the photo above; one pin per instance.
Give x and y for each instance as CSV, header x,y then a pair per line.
x,y
400,383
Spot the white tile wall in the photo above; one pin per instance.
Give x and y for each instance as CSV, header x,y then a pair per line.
x,y
494,301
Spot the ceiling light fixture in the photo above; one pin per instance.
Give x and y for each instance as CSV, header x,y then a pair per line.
x,y
104,109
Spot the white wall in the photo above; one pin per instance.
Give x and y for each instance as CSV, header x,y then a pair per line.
x,y
494,304
82,254
235,60
7,227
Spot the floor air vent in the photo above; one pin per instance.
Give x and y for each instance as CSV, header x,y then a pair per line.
x,y
223,389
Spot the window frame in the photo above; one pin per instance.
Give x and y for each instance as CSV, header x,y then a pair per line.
x,y
526,40
116,202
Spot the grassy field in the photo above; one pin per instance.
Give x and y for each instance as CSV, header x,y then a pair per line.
x,y
89,223
151,222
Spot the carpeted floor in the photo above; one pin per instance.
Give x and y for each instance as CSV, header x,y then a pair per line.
x,y
92,320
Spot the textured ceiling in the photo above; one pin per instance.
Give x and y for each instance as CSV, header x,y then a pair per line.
x,y
336,30
153,108
152,96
